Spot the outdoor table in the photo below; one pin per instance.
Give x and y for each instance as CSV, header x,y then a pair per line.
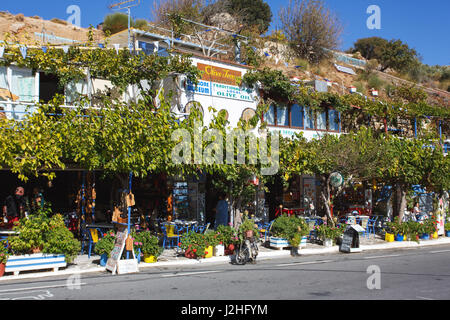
x,y
100,226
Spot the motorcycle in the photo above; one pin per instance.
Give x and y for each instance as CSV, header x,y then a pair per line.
x,y
246,251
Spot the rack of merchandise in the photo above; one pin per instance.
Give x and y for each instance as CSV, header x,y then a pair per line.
x,y
180,200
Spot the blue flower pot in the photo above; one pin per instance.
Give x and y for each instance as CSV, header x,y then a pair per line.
x,y
138,255
425,236
399,237
103,259
447,233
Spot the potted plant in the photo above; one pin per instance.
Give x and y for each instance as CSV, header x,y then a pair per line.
x,y
412,230
59,239
104,246
227,236
447,229
290,230
194,245
39,233
3,257
149,246
247,229
328,234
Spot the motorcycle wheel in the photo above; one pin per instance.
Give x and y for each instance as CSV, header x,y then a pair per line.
x,y
242,255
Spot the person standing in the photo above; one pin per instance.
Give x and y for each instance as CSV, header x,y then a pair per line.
x,y
221,212
15,206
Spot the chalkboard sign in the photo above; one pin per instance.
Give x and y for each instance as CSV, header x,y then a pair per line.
x,y
350,240
117,251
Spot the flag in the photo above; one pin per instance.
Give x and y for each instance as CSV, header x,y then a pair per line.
x,y
117,46
2,51
44,49
65,49
266,54
168,42
23,51
101,45
286,64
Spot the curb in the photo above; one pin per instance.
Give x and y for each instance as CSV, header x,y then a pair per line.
x,y
227,259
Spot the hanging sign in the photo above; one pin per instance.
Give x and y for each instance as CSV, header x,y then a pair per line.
x,y
336,179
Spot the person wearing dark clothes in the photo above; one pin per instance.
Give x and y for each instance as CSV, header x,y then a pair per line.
x,y
15,206
221,212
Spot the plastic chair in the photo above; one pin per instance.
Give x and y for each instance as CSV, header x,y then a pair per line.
x,y
169,238
93,236
371,225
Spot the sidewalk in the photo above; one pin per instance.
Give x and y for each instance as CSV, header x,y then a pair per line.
x,y
83,264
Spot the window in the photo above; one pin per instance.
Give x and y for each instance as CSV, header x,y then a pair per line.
x,y
282,116
248,114
296,116
269,116
49,87
322,120
333,120
147,48
309,119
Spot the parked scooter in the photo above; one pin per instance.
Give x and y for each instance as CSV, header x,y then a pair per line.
x,y
247,251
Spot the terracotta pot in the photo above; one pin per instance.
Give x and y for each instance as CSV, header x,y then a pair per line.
x,y
2,269
36,250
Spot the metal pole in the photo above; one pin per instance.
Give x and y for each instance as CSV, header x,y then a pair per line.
x,y
415,127
129,208
129,26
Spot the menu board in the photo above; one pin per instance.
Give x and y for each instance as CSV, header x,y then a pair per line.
x,y
117,251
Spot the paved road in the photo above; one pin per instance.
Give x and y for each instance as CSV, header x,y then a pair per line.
x,y
412,274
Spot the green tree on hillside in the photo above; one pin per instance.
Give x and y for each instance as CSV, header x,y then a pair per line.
x,y
310,28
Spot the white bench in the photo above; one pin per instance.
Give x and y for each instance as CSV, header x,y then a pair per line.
x,y
38,261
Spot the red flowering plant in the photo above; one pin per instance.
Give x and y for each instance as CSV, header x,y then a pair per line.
x,y
194,244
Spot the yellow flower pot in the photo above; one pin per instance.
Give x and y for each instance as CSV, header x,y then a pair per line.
x,y
389,237
435,235
209,252
149,258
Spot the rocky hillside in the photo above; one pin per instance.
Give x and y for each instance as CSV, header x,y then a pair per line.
x,y
35,30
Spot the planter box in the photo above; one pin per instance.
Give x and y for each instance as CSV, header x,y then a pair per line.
x,y
37,261
278,243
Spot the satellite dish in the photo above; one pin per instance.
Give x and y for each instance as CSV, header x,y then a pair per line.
x,y
336,179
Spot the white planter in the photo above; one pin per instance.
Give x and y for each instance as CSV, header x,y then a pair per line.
x,y
219,250
38,261
303,242
328,242
278,242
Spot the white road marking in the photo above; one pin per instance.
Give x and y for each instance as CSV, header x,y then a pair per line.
x,y
303,263
27,295
34,288
386,256
418,297
439,251
188,274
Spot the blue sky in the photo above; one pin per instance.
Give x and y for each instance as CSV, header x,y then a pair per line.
x,y
424,25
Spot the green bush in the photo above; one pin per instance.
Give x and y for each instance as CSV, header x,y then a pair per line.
x,y
59,239
4,254
227,235
148,243
106,244
49,235
292,228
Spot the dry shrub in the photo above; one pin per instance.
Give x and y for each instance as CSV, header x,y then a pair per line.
x,y
20,17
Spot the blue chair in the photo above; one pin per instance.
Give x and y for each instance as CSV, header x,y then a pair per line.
x,y
169,238
265,229
372,225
